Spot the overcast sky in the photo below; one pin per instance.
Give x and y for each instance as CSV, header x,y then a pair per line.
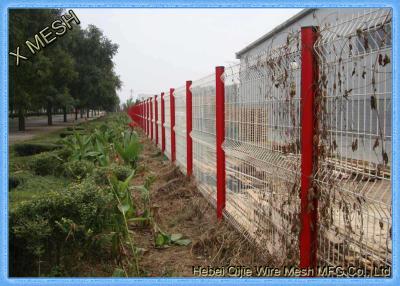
x,y
162,48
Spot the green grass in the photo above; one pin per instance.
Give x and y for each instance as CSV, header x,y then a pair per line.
x,y
34,186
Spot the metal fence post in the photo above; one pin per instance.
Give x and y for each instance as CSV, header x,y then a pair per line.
x,y
145,116
189,143
172,111
141,115
162,123
220,137
151,118
309,203
148,117
156,118
146,110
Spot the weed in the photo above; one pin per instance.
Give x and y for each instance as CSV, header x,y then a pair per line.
x,y
130,149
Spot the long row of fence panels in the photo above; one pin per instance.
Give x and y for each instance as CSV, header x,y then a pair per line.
x,y
293,145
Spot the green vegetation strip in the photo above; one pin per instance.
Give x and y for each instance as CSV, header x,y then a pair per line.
x,y
71,203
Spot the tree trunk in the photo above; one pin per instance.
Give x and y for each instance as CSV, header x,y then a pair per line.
x,y
82,113
21,120
87,113
76,113
65,113
49,114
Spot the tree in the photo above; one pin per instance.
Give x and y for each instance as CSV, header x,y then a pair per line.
x,y
74,71
97,84
25,79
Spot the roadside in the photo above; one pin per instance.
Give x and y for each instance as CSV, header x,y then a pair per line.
x,y
178,207
55,233
37,126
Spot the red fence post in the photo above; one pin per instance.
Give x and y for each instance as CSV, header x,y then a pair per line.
x,y
162,123
156,117
172,108
309,205
151,118
220,137
148,117
141,115
189,143
145,116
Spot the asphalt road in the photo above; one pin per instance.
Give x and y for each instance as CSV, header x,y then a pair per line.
x,y
37,125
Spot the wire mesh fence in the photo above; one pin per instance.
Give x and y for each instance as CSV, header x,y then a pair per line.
x,y
262,110
203,135
353,175
180,127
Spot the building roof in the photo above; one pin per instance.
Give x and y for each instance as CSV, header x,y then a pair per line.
x,y
277,29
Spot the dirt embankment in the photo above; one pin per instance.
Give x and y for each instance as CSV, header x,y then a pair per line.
x,y
178,207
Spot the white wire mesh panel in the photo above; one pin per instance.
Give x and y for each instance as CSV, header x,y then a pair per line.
x,y
354,151
262,147
180,127
159,128
167,125
203,136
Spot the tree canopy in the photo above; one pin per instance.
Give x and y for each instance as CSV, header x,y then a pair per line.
x,y
76,71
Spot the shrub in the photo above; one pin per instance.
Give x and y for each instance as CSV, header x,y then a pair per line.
x,y
57,228
12,182
78,169
31,187
63,153
27,149
120,171
48,163
18,178
69,133
72,128
66,133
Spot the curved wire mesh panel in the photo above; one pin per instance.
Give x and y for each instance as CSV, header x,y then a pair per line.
x,y
203,136
180,127
262,147
167,125
354,152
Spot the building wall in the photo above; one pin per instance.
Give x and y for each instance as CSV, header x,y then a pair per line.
x,y
318,17
351,118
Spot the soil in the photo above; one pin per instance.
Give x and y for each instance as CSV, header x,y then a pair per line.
x,y
178,207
